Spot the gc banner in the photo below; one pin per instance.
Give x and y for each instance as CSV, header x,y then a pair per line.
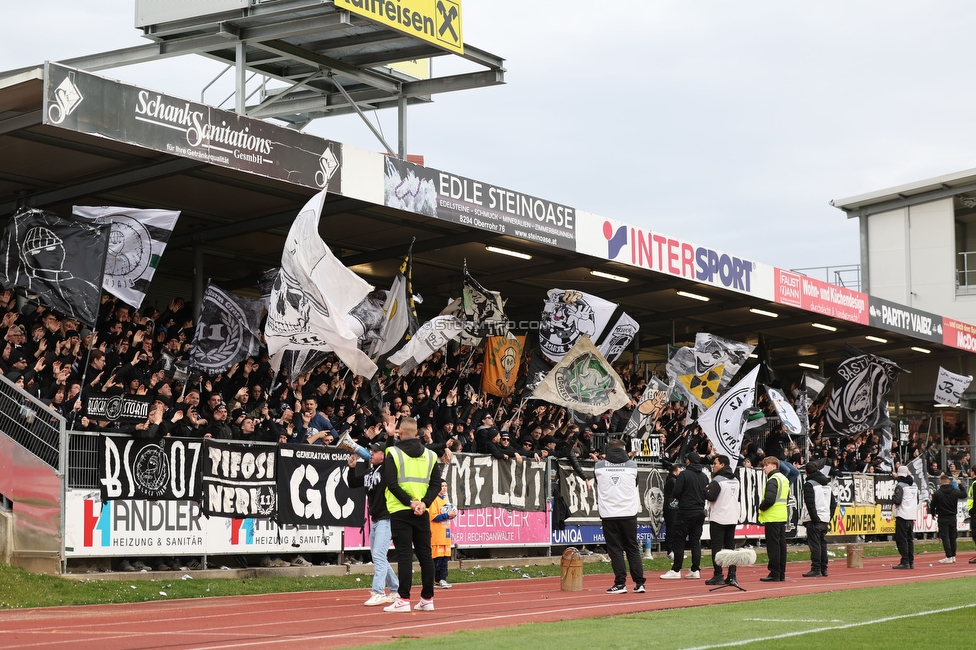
x,y
313,488
157,469
479,481
239,481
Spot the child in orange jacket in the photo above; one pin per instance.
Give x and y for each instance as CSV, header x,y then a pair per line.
x,y
441,513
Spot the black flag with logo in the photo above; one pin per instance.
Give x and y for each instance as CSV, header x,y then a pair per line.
x,y
857,401
59,262
313,488
162,469
227,333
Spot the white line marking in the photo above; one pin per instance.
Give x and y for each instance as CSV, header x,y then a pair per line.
x,y
831,627
794,620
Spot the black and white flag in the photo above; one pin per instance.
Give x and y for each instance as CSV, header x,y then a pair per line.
x,y
124,408
432,336
58,261
702,372
482,311
619,337
166,469
312,296
313,488
569,315
724,423
651,407
137,240
238,481
949,387
227,332
857,401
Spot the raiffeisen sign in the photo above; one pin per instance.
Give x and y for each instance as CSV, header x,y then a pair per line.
x,y
613,240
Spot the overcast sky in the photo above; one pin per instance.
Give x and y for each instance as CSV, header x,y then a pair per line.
x,y
730,124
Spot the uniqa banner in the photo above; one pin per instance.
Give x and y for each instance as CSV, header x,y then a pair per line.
x,y
479,481
145,468
313,487
239,481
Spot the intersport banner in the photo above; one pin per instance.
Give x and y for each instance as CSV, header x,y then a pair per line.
x,y
608,239
479,481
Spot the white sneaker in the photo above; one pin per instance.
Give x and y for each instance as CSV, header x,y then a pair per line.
x,y
391,598
443,584
946,560
399,605
377,599
670,575
670,555
953,559
693,575
300,561
423,606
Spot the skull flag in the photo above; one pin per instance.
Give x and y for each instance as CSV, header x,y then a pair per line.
x,y
503,359
857,401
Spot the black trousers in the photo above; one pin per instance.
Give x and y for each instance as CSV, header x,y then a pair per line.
x,y
948,534
776,547
721,536
411,534
817,539
670,522
621,538
688,526
905,540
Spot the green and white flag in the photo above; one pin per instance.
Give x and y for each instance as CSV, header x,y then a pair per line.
x,y
583,381
136,243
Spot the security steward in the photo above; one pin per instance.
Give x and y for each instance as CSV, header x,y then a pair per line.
x,y
773,515
413,481
905,508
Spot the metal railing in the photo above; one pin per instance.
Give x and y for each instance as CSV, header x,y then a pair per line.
x,y
31,423
847,275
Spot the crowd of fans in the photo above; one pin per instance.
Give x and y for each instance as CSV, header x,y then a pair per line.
x,y
136,352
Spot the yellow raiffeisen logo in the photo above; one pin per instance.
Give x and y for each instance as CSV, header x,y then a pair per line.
x,y
435,21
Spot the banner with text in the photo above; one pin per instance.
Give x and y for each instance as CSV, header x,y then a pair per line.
x,y
820,297
163,469
239,481
457,199
479,481
313,488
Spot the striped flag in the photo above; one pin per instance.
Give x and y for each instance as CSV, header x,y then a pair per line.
x,y
136,244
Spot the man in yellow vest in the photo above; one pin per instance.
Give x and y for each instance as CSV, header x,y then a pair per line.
x,y
773,515
412,484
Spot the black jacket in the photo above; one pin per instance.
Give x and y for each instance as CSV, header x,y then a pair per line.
x,y
810,498
689,490
946,500
373,479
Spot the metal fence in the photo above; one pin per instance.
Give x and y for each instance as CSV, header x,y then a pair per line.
x,y
31,423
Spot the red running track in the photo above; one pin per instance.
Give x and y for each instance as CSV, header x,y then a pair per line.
x,y
334,619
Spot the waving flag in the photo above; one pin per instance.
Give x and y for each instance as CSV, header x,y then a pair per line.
x,y
724,423
949,387
857,402
568,316
583,381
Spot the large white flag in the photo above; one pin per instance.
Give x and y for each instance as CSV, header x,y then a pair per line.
x,y
785,411
399,310
583,381
569,315
432,336
950,387
724,422
312,295
916,468
136,243
619,337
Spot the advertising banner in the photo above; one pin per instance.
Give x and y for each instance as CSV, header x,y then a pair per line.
x,y
485,527
445,196
893,317
608,239
958,334
437,22
138,528
85,103
817,296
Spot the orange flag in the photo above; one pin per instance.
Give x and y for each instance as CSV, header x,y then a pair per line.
x,y
503,357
